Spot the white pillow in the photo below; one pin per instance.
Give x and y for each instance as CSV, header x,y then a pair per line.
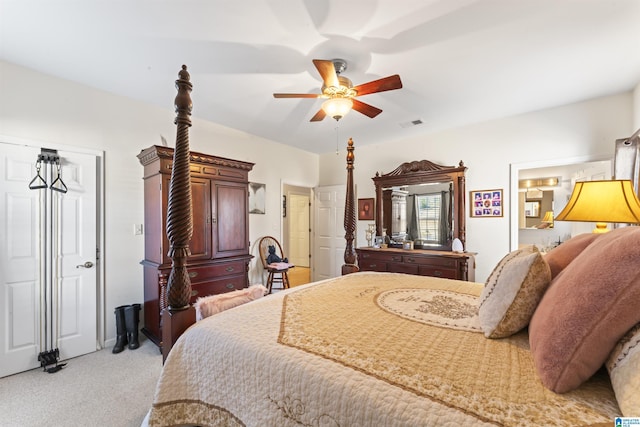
x,y
623,365
512,292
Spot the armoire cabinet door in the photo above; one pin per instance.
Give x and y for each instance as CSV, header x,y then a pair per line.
x,y
230,226
200,244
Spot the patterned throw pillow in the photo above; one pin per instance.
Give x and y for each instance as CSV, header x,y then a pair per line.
x,y
624,369
512,292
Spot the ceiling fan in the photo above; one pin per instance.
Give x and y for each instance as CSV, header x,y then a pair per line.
x,y
341,93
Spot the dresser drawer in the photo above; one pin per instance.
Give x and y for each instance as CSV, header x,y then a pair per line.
x,y
447,273
214,271
215,287
397,267
380,256
444,264
372,264
430,260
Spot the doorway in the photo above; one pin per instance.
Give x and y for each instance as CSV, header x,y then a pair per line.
x,y
49,271
296,213
567,171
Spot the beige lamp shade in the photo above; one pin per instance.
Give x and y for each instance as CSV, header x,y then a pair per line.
x,y
602,202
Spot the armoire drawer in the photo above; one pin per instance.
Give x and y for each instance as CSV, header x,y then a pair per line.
x,y
206,273
217,287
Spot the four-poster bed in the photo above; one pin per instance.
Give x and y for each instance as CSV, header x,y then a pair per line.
x,y
366,348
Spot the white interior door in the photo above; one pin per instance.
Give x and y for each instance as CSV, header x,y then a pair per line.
x,y
299,230
329,242
33,257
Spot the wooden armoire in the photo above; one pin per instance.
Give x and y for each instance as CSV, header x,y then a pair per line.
x,y
219,260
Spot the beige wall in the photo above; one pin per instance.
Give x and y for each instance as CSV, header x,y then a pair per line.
x,y
48,110
44,109
636,107
488,149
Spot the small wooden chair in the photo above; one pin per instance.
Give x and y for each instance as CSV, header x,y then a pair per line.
x,y
277,274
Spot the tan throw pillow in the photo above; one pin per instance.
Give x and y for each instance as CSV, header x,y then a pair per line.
x,y
512,292
560,256
623,365
587,309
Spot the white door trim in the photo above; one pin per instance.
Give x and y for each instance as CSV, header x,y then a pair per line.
x,y
99,154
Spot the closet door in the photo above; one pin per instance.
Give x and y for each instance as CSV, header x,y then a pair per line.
x,y
19,261
329,243
67,243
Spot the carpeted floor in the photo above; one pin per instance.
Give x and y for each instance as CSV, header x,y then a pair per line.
x,y
98,389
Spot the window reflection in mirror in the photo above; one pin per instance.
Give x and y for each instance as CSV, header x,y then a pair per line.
x,y
420,213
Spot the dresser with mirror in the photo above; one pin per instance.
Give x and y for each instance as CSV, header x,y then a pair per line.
x,y
420,209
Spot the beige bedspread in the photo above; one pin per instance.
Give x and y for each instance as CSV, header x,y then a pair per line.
x,y
367,349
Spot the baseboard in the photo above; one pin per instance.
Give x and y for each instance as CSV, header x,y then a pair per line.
x,y
110,342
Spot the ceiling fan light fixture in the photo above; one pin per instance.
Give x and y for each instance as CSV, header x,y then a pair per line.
x,y
337,107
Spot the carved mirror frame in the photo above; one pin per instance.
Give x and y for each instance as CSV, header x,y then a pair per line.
x,y
422,172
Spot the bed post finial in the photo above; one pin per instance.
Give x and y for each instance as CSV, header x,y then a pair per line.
x,y
179,315
179,214
349,216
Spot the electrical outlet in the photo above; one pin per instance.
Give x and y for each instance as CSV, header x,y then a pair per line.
x,y
137,229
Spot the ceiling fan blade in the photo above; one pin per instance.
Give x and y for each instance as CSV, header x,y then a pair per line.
x,y
295,95
320,115
366,109
380,85
327,72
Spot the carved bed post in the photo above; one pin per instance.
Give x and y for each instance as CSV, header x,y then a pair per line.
x,y
349,216
179,315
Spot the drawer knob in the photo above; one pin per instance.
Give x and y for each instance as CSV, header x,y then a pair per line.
x,y
230,286
437,273
193,274
230,269
194,293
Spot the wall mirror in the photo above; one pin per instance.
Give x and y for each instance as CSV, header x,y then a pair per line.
x,y
532,209
422,201
529,183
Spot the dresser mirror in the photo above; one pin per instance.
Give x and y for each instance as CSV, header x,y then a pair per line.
x,y
422,202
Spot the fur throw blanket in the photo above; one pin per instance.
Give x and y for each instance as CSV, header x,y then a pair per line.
x,y
212,304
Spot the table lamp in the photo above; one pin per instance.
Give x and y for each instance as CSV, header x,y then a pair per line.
x,y
548,219
602,202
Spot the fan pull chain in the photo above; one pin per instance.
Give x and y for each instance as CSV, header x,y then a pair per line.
x,y
337,139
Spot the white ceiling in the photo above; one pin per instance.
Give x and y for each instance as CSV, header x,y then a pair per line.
x,y
461,61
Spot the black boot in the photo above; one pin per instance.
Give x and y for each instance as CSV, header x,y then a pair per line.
x,y
121,329
132,318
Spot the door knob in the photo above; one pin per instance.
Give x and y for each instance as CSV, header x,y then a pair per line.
x,y
87,264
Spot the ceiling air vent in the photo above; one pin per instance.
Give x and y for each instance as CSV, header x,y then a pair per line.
x,y
411,123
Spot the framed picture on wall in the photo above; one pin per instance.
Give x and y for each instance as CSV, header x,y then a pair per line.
x,y
365,209
257,195
486,203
